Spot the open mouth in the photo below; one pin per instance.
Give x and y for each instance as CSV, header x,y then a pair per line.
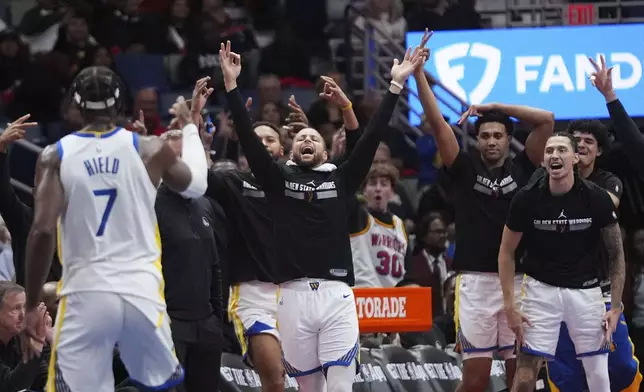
x,y
556,166
377,198
308,150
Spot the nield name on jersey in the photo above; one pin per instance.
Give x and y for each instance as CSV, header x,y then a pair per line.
x,y
377,307
294,186
101,165
388,241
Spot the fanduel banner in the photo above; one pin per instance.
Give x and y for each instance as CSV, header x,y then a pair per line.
x,y
542,67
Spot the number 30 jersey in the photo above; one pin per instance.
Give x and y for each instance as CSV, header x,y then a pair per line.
x,y
108,237
379,250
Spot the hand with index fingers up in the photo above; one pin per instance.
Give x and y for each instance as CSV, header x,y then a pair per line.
x,y
602,78
333,93
200,95
138,126
297,113
15,131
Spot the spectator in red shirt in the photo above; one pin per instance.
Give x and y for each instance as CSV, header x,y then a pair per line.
x,y
147,100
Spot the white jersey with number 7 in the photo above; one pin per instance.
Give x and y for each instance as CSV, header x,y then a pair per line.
x,y
108,238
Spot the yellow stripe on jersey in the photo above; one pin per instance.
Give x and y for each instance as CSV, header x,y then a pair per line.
x,y
51,372
457,289
387,225
157,264
233,304
59,252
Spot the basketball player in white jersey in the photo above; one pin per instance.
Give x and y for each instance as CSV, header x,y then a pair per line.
x,y
378,238
99,185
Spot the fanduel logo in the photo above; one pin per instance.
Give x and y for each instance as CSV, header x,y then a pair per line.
x,y
451,74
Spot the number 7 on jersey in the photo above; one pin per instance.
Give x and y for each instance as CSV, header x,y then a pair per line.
x,y
111,198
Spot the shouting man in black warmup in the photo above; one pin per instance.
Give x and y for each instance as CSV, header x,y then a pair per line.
x,y
253,302
565,223
308,197
484,183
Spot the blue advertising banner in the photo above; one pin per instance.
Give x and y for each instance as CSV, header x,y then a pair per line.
x,y
542,67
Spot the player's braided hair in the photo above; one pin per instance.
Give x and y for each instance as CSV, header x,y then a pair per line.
x,y
98,93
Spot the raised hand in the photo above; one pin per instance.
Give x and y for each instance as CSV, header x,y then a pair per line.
x,y
138,126
230,63
15,131
420,68
475,111
333,93
181,112
400,71
200,95
297,113
602,78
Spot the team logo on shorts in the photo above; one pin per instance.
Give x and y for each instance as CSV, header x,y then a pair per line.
x,y
314,285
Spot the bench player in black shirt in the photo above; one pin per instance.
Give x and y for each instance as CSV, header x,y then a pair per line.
x,y
484,182
253,301
566,224
308,197
565,371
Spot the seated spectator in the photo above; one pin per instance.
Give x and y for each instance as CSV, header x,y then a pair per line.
x,y
14,60
74,39
180,27
428,266
126,28
269,89
16,375
387,17
7,270
147,100
269,112
41,17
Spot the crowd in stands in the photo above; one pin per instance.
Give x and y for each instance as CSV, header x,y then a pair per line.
x,y
160,47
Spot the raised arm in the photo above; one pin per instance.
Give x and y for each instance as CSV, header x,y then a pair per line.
x,y
445,139
49,202
186,175
358,163
265,169
625,129
542,120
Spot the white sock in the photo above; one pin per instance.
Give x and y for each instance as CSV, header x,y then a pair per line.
x,y
596,369
340,378
312,383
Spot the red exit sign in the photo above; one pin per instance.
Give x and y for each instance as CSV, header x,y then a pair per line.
x,y
581,14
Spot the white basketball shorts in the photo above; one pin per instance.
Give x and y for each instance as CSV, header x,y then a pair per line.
x,y
547,306
252,308
87,328
481,324
318,323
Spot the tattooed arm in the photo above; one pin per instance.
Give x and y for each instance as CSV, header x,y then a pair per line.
x,y
612,237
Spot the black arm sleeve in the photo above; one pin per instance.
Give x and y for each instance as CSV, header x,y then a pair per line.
x,y
216,292
355,169
232,150
353,136
628,134
20,377
265,169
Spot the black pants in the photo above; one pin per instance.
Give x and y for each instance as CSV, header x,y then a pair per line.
x,y
198,345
